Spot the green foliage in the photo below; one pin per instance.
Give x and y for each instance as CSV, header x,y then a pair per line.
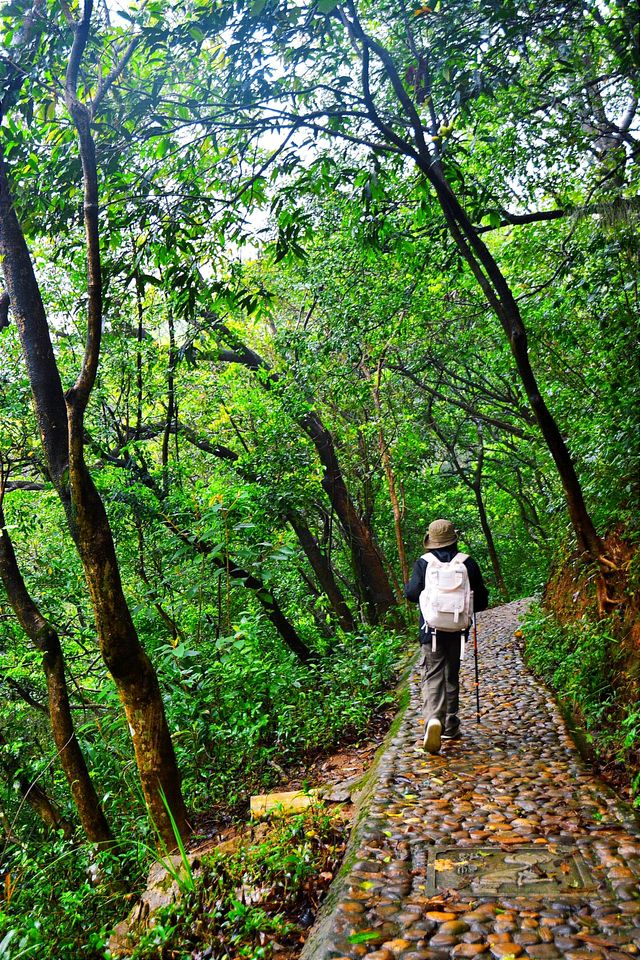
x,y
243,707
61,901
182,874
238,712
575,660
580,661
234,904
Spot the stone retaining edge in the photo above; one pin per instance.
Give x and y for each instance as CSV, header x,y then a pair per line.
x,y
315,947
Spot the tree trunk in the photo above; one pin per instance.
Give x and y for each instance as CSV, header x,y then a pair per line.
x,y
481,262
475,485
45,638
391,480
172,406
375,589
501,299
323,571
369,570
34,795
127,662
488,535
395,505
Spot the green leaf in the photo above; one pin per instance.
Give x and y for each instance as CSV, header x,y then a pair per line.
x,y
492,219
326,6
364,937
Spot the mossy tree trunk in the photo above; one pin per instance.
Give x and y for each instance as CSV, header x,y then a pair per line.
x,y
33,794
45,638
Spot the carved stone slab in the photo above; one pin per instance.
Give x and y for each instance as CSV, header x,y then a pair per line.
x,y
527,871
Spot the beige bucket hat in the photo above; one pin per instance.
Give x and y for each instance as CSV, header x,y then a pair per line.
x,y
441,534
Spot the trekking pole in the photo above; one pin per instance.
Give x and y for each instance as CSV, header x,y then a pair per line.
x,y
475,653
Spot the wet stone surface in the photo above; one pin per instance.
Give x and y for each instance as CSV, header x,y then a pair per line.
x,y
504,845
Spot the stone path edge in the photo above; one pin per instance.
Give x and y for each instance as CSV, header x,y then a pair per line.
x,y
580,738
315,946
568,723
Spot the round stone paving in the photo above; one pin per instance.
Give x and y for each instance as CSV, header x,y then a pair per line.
x,y
503,845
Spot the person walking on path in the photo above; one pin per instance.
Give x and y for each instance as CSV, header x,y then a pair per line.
x,y
440,571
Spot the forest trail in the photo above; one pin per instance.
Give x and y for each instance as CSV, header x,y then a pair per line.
x,y
504,845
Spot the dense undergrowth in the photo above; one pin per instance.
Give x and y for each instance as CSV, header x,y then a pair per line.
x,y
270,710
241,903
265,893
61,899
593,666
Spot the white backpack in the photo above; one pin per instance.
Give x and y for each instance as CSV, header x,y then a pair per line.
x,y
446,601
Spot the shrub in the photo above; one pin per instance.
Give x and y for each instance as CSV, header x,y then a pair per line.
x,y
579,661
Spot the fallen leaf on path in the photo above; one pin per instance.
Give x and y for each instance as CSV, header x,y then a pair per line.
x,y
364,937
596,941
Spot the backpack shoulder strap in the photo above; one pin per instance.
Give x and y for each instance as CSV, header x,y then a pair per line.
x,y
460,558
431,558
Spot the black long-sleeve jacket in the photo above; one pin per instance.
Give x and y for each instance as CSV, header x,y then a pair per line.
x,y
414,588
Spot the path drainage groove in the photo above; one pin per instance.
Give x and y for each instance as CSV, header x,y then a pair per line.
x,y
528,871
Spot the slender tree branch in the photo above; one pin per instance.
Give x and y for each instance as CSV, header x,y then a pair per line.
x,y
621,205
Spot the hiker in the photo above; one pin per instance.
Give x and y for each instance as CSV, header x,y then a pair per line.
x,y
449,588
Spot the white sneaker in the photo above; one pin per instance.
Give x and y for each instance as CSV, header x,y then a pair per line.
x,y
431,742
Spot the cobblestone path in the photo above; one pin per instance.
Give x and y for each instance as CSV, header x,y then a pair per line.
x,y
503,845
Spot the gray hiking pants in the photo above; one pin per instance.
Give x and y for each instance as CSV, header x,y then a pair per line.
x,y
440,670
